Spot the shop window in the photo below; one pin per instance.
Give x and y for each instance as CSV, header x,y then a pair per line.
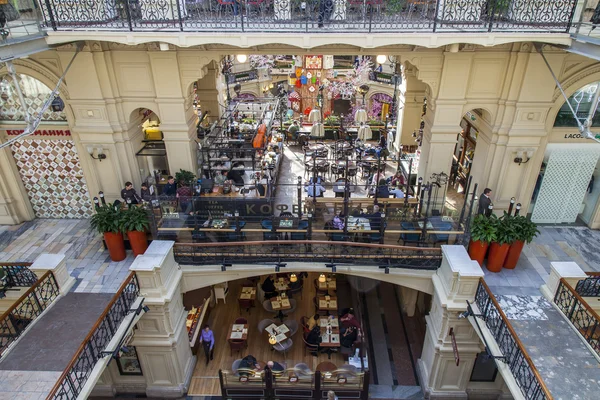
x,y
35,94
484,369
581,101
128,362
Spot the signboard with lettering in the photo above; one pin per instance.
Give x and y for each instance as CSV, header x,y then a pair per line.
x,y
243,76
382,77
41,132
454,346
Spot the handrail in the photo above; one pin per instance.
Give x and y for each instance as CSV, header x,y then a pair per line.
x,y
578,297
515,337
15,264
288,242
590,286
84,344
30,295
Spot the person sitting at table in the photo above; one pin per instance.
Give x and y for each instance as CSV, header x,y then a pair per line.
x,y
337,223
275,366
374,218
147,191
349,337
349,319
268,287
398,179
261,184
248,363
397,192
314,338
314,189
170,188
129,194
382,189
313,321
294,129
236,176
220,177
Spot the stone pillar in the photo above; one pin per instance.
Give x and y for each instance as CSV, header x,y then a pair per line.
x,y
570,271
161,338
58,265
14,204
455,282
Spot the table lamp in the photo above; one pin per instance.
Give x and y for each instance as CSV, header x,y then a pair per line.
x,y
322,278
272,339
293,278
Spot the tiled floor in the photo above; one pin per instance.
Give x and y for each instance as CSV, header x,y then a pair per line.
x,y
87,260
567,366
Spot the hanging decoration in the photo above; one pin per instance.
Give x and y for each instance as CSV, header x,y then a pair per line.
x,y
295,101
303,79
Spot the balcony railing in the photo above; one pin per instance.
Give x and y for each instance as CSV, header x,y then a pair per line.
x,y
26,309
514,354
589,287
578,311
16,275
308,251
310,15
74,377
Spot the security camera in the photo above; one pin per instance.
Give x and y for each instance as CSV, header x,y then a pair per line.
x,y
463,314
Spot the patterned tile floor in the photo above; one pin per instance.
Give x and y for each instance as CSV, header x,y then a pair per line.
x,y
87,260
567,366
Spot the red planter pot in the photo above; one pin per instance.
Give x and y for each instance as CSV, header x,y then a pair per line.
x,y
477,251
496,256
116,246
513,254
138,242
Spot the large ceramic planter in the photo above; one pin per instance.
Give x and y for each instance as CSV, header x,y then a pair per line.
x,y
116,246
513,254
477,251
138,242
496,256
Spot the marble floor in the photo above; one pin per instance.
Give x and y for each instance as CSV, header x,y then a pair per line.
x,y
87,260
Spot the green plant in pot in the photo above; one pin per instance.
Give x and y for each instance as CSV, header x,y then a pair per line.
x,y
184,177
483,232
525,232
135,223
107,221
505,236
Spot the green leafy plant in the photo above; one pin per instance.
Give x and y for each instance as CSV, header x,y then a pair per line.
x,y
506,231
135,219
525,230
484,229
185,177
332,120
107,219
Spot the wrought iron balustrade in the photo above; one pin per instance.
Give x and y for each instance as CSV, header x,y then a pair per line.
x,y
308,251
514,354
17,275
589,287
310,15
74,377
27,308
578,311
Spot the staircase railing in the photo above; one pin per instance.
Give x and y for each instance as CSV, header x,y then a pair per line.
x,y
17,275
579,312
590,286
514,354
27,308
74,377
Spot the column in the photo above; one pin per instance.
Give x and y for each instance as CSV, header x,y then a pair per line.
x,y
161,338
455,282
570,271
14,204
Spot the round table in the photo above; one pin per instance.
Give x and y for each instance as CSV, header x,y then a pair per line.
x,y
342,164
326,366
319,162
341,146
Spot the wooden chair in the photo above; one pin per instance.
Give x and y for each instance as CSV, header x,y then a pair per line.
x,y
237,345
245,304
312,348
241,320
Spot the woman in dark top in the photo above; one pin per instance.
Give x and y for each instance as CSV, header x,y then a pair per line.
x,y
349,337
269,288
248,363
314,338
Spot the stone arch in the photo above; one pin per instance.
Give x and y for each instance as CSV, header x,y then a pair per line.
x,y
482,110
39,72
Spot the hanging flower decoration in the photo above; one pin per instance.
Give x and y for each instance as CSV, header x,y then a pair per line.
x,y
346,88
260,61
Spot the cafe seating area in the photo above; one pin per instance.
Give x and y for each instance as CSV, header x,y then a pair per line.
x,y
274,326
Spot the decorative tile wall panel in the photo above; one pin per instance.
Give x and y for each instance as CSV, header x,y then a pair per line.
x,y
53,178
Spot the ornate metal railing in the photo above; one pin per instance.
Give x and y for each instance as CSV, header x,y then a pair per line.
x,y
310,15
27,308
308,251
589,287
514,354
17,275
579,312
74,377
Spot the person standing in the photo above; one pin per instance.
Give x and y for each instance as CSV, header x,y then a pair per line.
x,y
129,194
207,338
170,188
484,202
147,191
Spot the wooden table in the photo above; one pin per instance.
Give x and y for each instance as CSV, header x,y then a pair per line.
x,y
248,293
281,332
281,284
328,284
327,305
280,304
326,366
238,332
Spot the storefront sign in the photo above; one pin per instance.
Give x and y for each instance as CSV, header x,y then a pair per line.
x,y
382,77
243,76
41,132
579,136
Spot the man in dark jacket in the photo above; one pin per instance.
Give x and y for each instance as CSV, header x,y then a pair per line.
x,y
170,189
485,202
129,194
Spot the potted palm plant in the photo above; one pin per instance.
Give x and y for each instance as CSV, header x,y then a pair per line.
x,y
135,223
525,231
505,235
107,221
483,232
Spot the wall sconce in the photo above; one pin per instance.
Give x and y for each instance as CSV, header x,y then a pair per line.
x,y
99,153
523,156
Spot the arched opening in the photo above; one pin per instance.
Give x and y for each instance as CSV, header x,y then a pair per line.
x,y
582,102
147,140
363,325
47,161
